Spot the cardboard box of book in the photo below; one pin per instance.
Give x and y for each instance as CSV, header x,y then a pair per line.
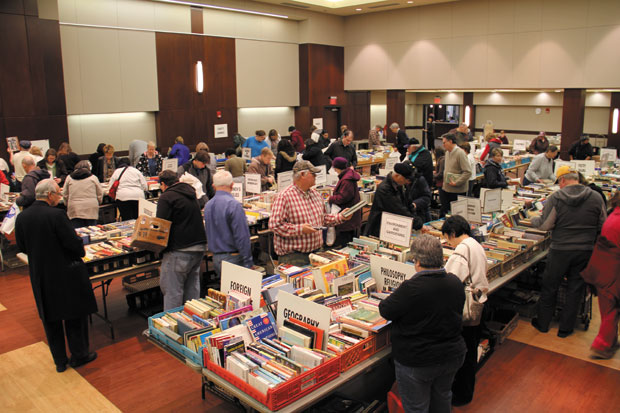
x,y
151,233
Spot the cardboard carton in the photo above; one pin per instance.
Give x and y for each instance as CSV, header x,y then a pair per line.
x,y
151,233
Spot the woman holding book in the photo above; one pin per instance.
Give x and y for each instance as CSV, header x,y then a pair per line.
x,y
345,195
469,264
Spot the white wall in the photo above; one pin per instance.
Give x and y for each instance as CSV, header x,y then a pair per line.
x,y
267,73
117,129
473,44
378,108
252,119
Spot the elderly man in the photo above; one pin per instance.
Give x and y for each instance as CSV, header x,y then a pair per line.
x,y
197,167
391,197
462,134
374,137
261,165
457,171
421,158
59,278
541,167
228,235
575,215
180,265
342,148
426,313
33,176
298,217
402,140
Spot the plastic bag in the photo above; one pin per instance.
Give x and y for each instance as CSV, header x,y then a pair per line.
x,y
194,182
331,231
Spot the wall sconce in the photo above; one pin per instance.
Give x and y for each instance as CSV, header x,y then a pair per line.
x,y
614,121
199,77
467,114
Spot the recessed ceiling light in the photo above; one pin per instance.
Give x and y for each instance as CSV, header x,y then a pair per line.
x,y
409,2
358,9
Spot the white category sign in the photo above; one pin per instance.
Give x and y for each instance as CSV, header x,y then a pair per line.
x,y
237,191
383,172
459,207
390,162
252,183
491,200
507,196
474,211
221,130
44,144
389,273
285,179
395,229
520,145
170,164
292,306
609,154
506,152
243,280
246,153
585,167
318,122
147,208
559,162
321,177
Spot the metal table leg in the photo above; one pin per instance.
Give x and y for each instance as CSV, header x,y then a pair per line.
x,y
105,288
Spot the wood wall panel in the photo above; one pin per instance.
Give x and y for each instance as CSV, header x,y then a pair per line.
x,y
573,113
395,111
12,6
182,110
357,113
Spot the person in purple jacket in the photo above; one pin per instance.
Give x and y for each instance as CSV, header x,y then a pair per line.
x,y
179,151
345,195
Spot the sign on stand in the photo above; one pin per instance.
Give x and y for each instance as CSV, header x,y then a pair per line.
x,y
558,163
170,164
252,183
285,179
243,280
585,167
389,273
321,177
246,153
491,200
292,306
396,229
237,191
390,162
608,154
459,207
147,208
520,145
474,211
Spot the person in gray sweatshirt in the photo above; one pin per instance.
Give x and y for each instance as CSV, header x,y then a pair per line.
x,y
457,171
541,167
575,215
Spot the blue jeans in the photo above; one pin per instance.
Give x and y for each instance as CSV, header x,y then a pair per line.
x,y
428,388
228,257
179,280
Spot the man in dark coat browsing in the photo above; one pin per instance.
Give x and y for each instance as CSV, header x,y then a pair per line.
x,y
59,278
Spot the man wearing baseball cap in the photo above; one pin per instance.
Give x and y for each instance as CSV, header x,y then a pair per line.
x,y
298,217
575,215
17,158
390,197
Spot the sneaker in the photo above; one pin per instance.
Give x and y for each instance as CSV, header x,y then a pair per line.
x,y
537,327
564,333
80,362
601,354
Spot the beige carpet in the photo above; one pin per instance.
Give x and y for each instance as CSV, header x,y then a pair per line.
x,y
576,345
30,383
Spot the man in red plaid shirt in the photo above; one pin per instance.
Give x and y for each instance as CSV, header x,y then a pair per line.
x,y
298,217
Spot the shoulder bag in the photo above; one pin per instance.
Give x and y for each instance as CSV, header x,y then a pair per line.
x,y
472,309
115,184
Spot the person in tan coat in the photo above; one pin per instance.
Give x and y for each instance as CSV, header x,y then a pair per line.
x,y
83,194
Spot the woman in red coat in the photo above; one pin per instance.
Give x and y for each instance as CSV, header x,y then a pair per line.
x,y
603,272
345,195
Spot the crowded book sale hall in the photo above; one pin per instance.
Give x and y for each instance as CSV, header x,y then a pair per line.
x,y
321,206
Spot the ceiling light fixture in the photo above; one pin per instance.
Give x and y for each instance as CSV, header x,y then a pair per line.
x,y
209,6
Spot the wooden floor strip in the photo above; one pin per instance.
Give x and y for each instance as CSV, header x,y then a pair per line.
x,y
2,308
30,383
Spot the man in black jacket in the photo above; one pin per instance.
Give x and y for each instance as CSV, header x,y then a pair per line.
x,y
418,194
402,140
59,278
342,148
390,197
198,167
180,265
427,345
581,150
421,158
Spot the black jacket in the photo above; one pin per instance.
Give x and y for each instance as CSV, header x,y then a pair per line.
x,y
423,163
494,176
426,313
283,164
337,149
580,152
419,193
391,198
30,181
59,278
61,170
179,205
204,176
70,160
315,155
401,140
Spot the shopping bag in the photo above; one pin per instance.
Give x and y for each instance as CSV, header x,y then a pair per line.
x,y
194,182
8,223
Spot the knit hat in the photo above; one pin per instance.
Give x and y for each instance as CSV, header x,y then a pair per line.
x,y
412,141
405,169
340,163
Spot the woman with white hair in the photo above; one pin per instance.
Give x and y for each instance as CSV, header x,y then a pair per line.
x,y
150,162
83,194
